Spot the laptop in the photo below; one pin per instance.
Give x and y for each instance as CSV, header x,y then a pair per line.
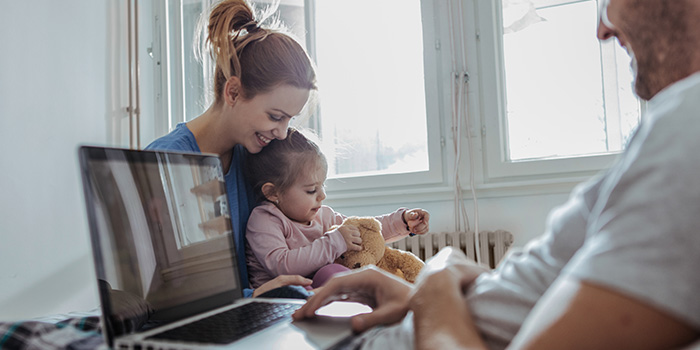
x,y
166,267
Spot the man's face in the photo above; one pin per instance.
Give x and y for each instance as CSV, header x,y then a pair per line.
x,y
653,33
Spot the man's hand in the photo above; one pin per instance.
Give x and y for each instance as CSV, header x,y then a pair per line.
x,y
441,315
386,294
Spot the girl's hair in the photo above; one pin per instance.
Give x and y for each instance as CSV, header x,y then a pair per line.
x,y
261,57
282,161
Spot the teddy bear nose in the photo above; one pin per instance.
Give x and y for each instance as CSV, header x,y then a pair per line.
x,y
357,266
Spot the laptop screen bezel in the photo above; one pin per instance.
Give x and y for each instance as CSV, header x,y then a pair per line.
x,y
89,154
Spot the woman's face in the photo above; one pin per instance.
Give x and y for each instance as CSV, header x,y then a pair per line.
x,y
266,116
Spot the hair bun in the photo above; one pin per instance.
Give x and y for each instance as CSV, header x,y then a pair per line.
x,y
251,27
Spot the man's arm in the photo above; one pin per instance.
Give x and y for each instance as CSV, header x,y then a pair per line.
x,y
581,315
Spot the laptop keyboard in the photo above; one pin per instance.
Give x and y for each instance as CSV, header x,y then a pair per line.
x,y
231,325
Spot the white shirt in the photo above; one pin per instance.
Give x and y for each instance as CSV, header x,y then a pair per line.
x,y
634,228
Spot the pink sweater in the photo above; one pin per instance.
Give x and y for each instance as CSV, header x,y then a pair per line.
x,y
277,245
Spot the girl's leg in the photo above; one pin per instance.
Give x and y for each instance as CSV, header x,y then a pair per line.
x,y
325,273
289,292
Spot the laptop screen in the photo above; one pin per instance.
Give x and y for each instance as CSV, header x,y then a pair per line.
x,y
161,235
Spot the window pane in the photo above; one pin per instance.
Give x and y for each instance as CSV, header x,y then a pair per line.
x,y
557,85
372,96
630,109
195,85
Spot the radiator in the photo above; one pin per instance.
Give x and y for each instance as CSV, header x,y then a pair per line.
x,y
493,244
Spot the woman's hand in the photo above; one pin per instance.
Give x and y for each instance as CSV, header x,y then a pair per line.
x,y
417,220
386,294
281,281
441,315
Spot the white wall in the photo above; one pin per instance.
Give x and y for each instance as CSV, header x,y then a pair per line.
x,y
53,96
522,215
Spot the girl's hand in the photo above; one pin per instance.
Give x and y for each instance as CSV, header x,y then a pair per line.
x,y
417,220
351,234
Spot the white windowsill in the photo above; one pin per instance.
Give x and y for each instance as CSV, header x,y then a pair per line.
x,y
445,193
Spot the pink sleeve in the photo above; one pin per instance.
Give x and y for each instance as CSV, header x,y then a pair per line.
x,y
283,249
330,217
393,226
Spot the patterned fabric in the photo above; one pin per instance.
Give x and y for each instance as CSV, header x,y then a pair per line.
x,y
73,334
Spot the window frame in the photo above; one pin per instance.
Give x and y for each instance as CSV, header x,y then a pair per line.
x,y
431,68
169,69
485,109
497,167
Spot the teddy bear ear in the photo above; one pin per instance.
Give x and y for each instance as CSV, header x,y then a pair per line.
x,y
376,225
372,224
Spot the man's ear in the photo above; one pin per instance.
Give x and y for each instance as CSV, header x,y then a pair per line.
x,y
270,192
232,90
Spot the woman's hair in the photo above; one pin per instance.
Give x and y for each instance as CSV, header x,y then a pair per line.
x,y
261,57
282,161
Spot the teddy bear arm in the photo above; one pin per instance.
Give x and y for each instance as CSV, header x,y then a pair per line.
x,y
407,263
385,265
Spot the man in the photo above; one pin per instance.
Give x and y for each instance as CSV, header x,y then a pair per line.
x,y
617,265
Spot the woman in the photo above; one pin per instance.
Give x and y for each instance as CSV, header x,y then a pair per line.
x,y
263,78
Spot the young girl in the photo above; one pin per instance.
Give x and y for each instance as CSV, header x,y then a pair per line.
x,y
290,231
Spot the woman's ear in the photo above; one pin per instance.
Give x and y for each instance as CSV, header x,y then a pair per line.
x,y
232,90
270,192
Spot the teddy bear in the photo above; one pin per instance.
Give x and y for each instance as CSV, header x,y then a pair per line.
x,y
374,251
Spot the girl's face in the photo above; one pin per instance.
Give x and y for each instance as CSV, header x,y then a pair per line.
x,y
303,199
266,116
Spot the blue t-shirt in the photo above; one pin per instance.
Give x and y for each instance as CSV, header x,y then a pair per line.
x,y
240,194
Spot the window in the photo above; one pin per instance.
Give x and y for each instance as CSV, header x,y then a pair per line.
x,y
372,113
185,91
545,98
566,98
375,95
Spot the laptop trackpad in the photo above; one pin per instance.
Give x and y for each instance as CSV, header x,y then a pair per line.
x,y
323,332
318,333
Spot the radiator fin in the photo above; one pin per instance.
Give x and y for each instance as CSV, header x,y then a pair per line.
x,y
493,244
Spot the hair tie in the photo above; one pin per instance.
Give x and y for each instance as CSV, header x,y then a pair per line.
x,y
251,26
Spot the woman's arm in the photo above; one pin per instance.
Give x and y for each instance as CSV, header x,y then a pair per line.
x,y
282,281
